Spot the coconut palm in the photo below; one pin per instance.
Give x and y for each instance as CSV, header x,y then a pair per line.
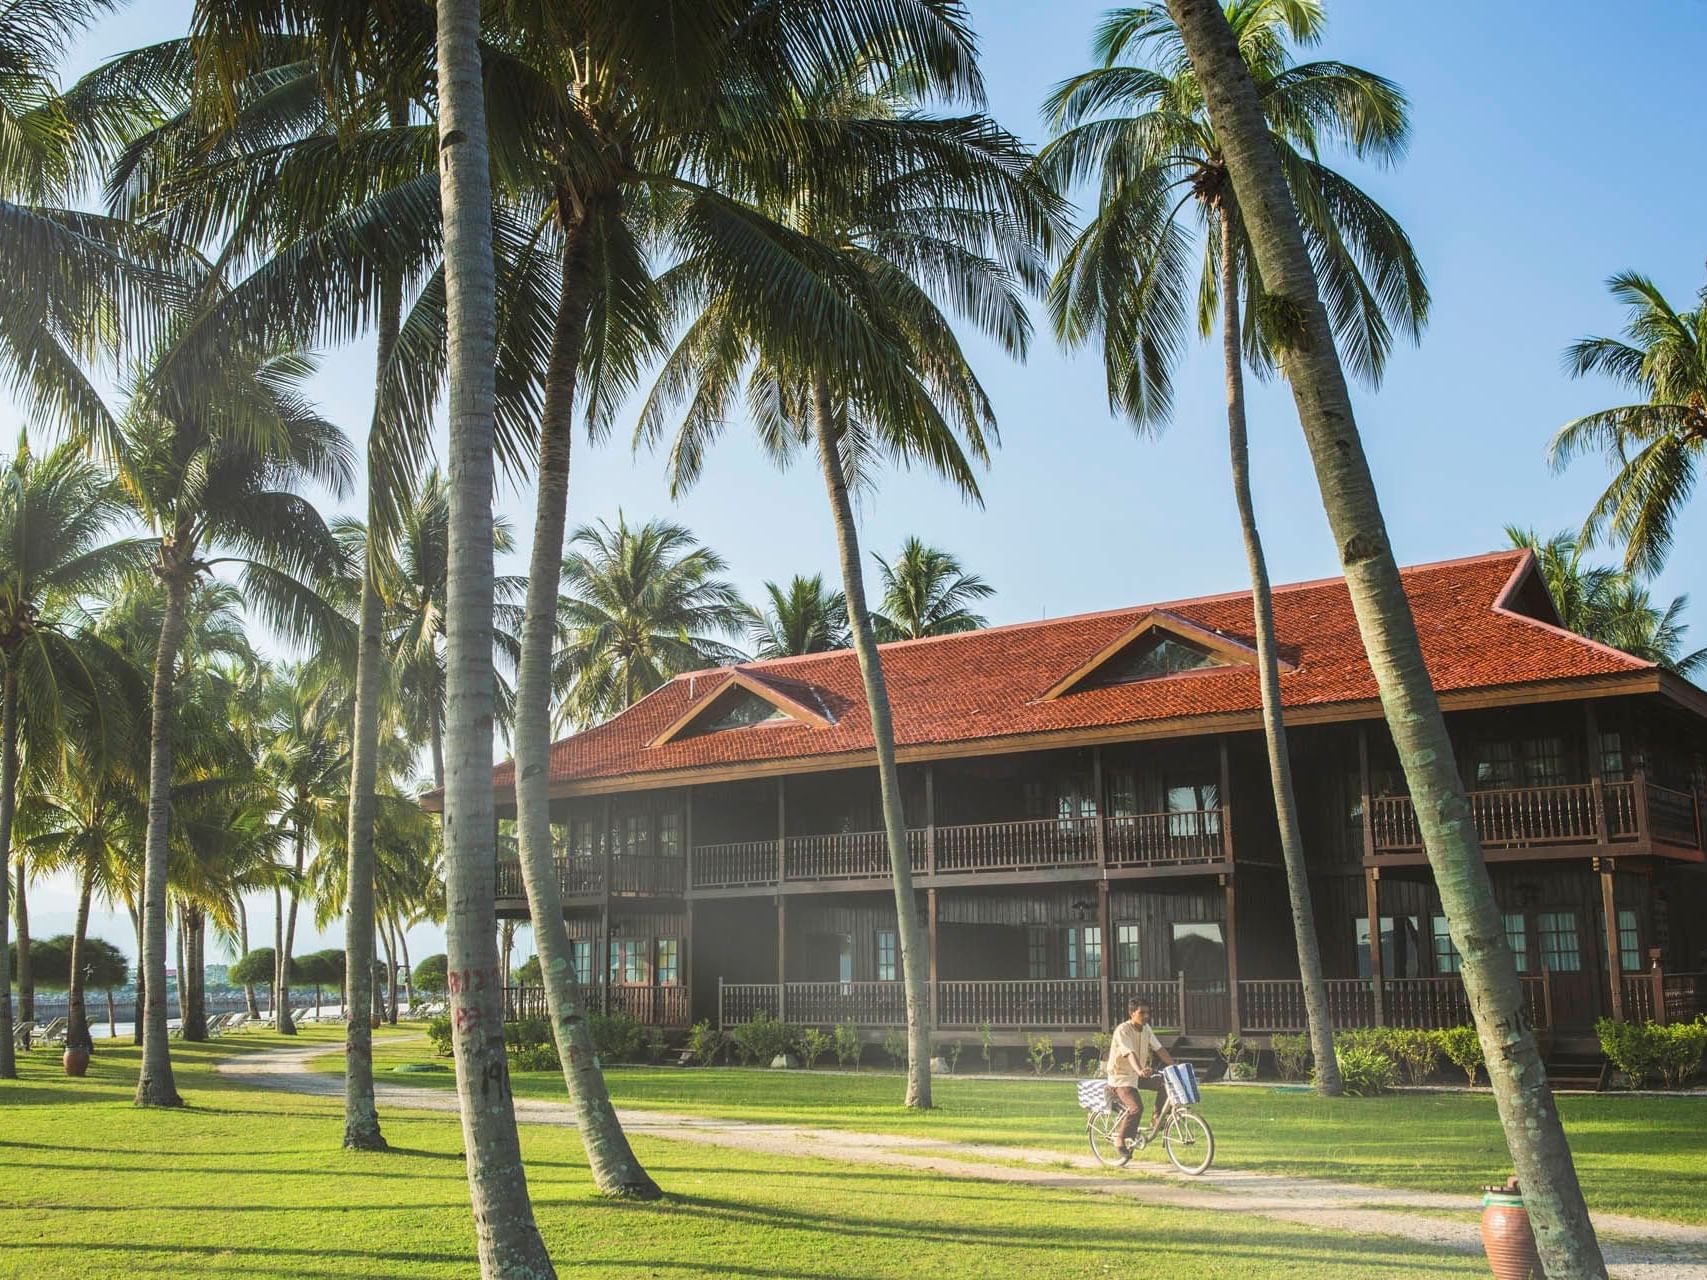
x,y
1302,336
805,618
1608,604
640,605
926,592
843,342
60,688
1655,444
1139,125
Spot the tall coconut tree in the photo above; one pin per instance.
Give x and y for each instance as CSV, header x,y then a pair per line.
x,y
806,617
842,343
639,606
926,592
1300,330
1654,444
1137,125
59,685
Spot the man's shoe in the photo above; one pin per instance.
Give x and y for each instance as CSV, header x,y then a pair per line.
x,y
1125,1157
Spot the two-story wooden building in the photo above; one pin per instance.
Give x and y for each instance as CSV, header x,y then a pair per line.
x,y
1090,818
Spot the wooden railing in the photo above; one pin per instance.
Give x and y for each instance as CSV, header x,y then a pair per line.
x,y
745,862
1161,839
654,1006
1517,817
1269,1005
1674,817
853,855
863,1004
1278,1005
741,1002
1063,1002
1658,996
647,873
1016,846
575,877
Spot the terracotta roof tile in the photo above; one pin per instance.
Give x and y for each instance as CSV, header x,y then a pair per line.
x,y
988,684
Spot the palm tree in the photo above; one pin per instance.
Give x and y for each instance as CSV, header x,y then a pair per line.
x,y
59,686
1608,604
1143,129
1654,445
509,1241
806,618
640,606
1302,337
926,592
842,341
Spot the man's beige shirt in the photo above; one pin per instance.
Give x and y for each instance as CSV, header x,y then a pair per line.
x,y
1139,1043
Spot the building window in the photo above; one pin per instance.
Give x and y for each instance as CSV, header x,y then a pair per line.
x,y
627,962
1084,950
1148,658
1122,794
581,962
1446,957
1199,952
1612,756
1126,951
1196,808
1496,765
582,842
1525,762
1544,761
669,969
670,834
1401,947
635,834
1517,938
888,955
1629,943
1557,931
1037,952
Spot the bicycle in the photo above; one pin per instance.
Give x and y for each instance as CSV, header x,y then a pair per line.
x,y
1185,1135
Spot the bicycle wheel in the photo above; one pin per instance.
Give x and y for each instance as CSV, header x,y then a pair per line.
x,y
1100,1128
1189,1142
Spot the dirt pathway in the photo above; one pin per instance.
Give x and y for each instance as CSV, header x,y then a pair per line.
x,y
1636,1248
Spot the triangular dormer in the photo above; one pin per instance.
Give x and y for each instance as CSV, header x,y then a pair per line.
x,y
748,700
1157,646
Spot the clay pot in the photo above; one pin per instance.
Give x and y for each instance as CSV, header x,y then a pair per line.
x,y
76,1061
1506,1236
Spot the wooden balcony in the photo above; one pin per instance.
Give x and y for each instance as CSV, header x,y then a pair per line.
x,y
653,1006
1582,815
1657,996
583,877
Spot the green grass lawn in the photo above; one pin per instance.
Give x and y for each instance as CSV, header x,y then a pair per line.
x,y
1643,1156
244,1183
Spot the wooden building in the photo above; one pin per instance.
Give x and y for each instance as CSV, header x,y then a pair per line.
x,y
1090,818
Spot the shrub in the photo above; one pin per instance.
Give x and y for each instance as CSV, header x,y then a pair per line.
x,y
1463,1048
1644,1049
1291,1056
951,1055
618,1037
1416,1053
1679,1050
1041,1051
707,1045
895,1045
1364,1072
438,1031
764,1038
539,1057
530,1045
985,1039
844,1040
430,976
814,1044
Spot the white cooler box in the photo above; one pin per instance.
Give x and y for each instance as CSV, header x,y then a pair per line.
x,y
1181,1083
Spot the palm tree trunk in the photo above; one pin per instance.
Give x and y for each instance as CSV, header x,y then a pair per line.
x,y
192,993
8,801
286,1024
26,974
508,1240
913,946
183,975
155,1086
1302,334
250,1006
76,1012
112,1017
278,950
390,972
436,737
611,1159
1268,670
141,980
408,976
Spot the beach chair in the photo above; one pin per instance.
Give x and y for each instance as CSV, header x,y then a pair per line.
x,y
219,1024
21,1035
238,1021
53,1033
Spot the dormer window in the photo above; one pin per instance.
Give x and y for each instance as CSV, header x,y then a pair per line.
x,y
1159,645
742,711
1157,654
748,700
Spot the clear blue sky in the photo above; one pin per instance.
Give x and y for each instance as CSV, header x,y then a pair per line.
x,y
1552,147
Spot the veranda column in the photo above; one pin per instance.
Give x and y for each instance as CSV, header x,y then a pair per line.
x,y
781,958
1614,961
1377,965
1232,927
930,927
1107,964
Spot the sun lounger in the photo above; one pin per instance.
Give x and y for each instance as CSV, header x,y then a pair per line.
x,y
53,1033
220,1023
21,1035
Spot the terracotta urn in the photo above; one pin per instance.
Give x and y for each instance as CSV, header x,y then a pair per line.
x,y
1506,1236
76,1061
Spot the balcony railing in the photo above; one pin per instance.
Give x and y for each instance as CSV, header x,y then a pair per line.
x,y
857,855
1527,817
1158,839
1665,997
1017,846
726,866
654,1006
576,876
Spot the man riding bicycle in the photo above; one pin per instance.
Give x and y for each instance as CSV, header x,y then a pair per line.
x,y
1128,1070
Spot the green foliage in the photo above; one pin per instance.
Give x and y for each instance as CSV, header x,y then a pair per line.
x,y
895,1045
762,1039
814,1044
528,973
951,1054
439,1032
254,967
1291,1055
618,1037
1681,1046
926,592
104,965
1463,1048
1041,1051
1645,1049
431,977
320,968
845,1041
1365,1072
1415,1052
707,1045
985,1039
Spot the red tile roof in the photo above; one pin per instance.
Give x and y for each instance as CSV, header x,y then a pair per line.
x,y
989,684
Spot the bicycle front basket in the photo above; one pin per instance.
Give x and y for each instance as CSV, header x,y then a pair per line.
x,y
1093,1096
1181,1082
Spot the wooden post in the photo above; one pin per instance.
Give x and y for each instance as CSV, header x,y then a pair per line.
x,y
720,1002
781,831
1102,821
1595,782
687,841
1657,976
1232,926
1639,797
1363,781
1179,980
930,820
1377,967
1107,967
1547,994
781,958
930,934
1226,811
1609,914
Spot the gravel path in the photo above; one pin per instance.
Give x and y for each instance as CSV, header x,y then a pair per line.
x,y
1636,1248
